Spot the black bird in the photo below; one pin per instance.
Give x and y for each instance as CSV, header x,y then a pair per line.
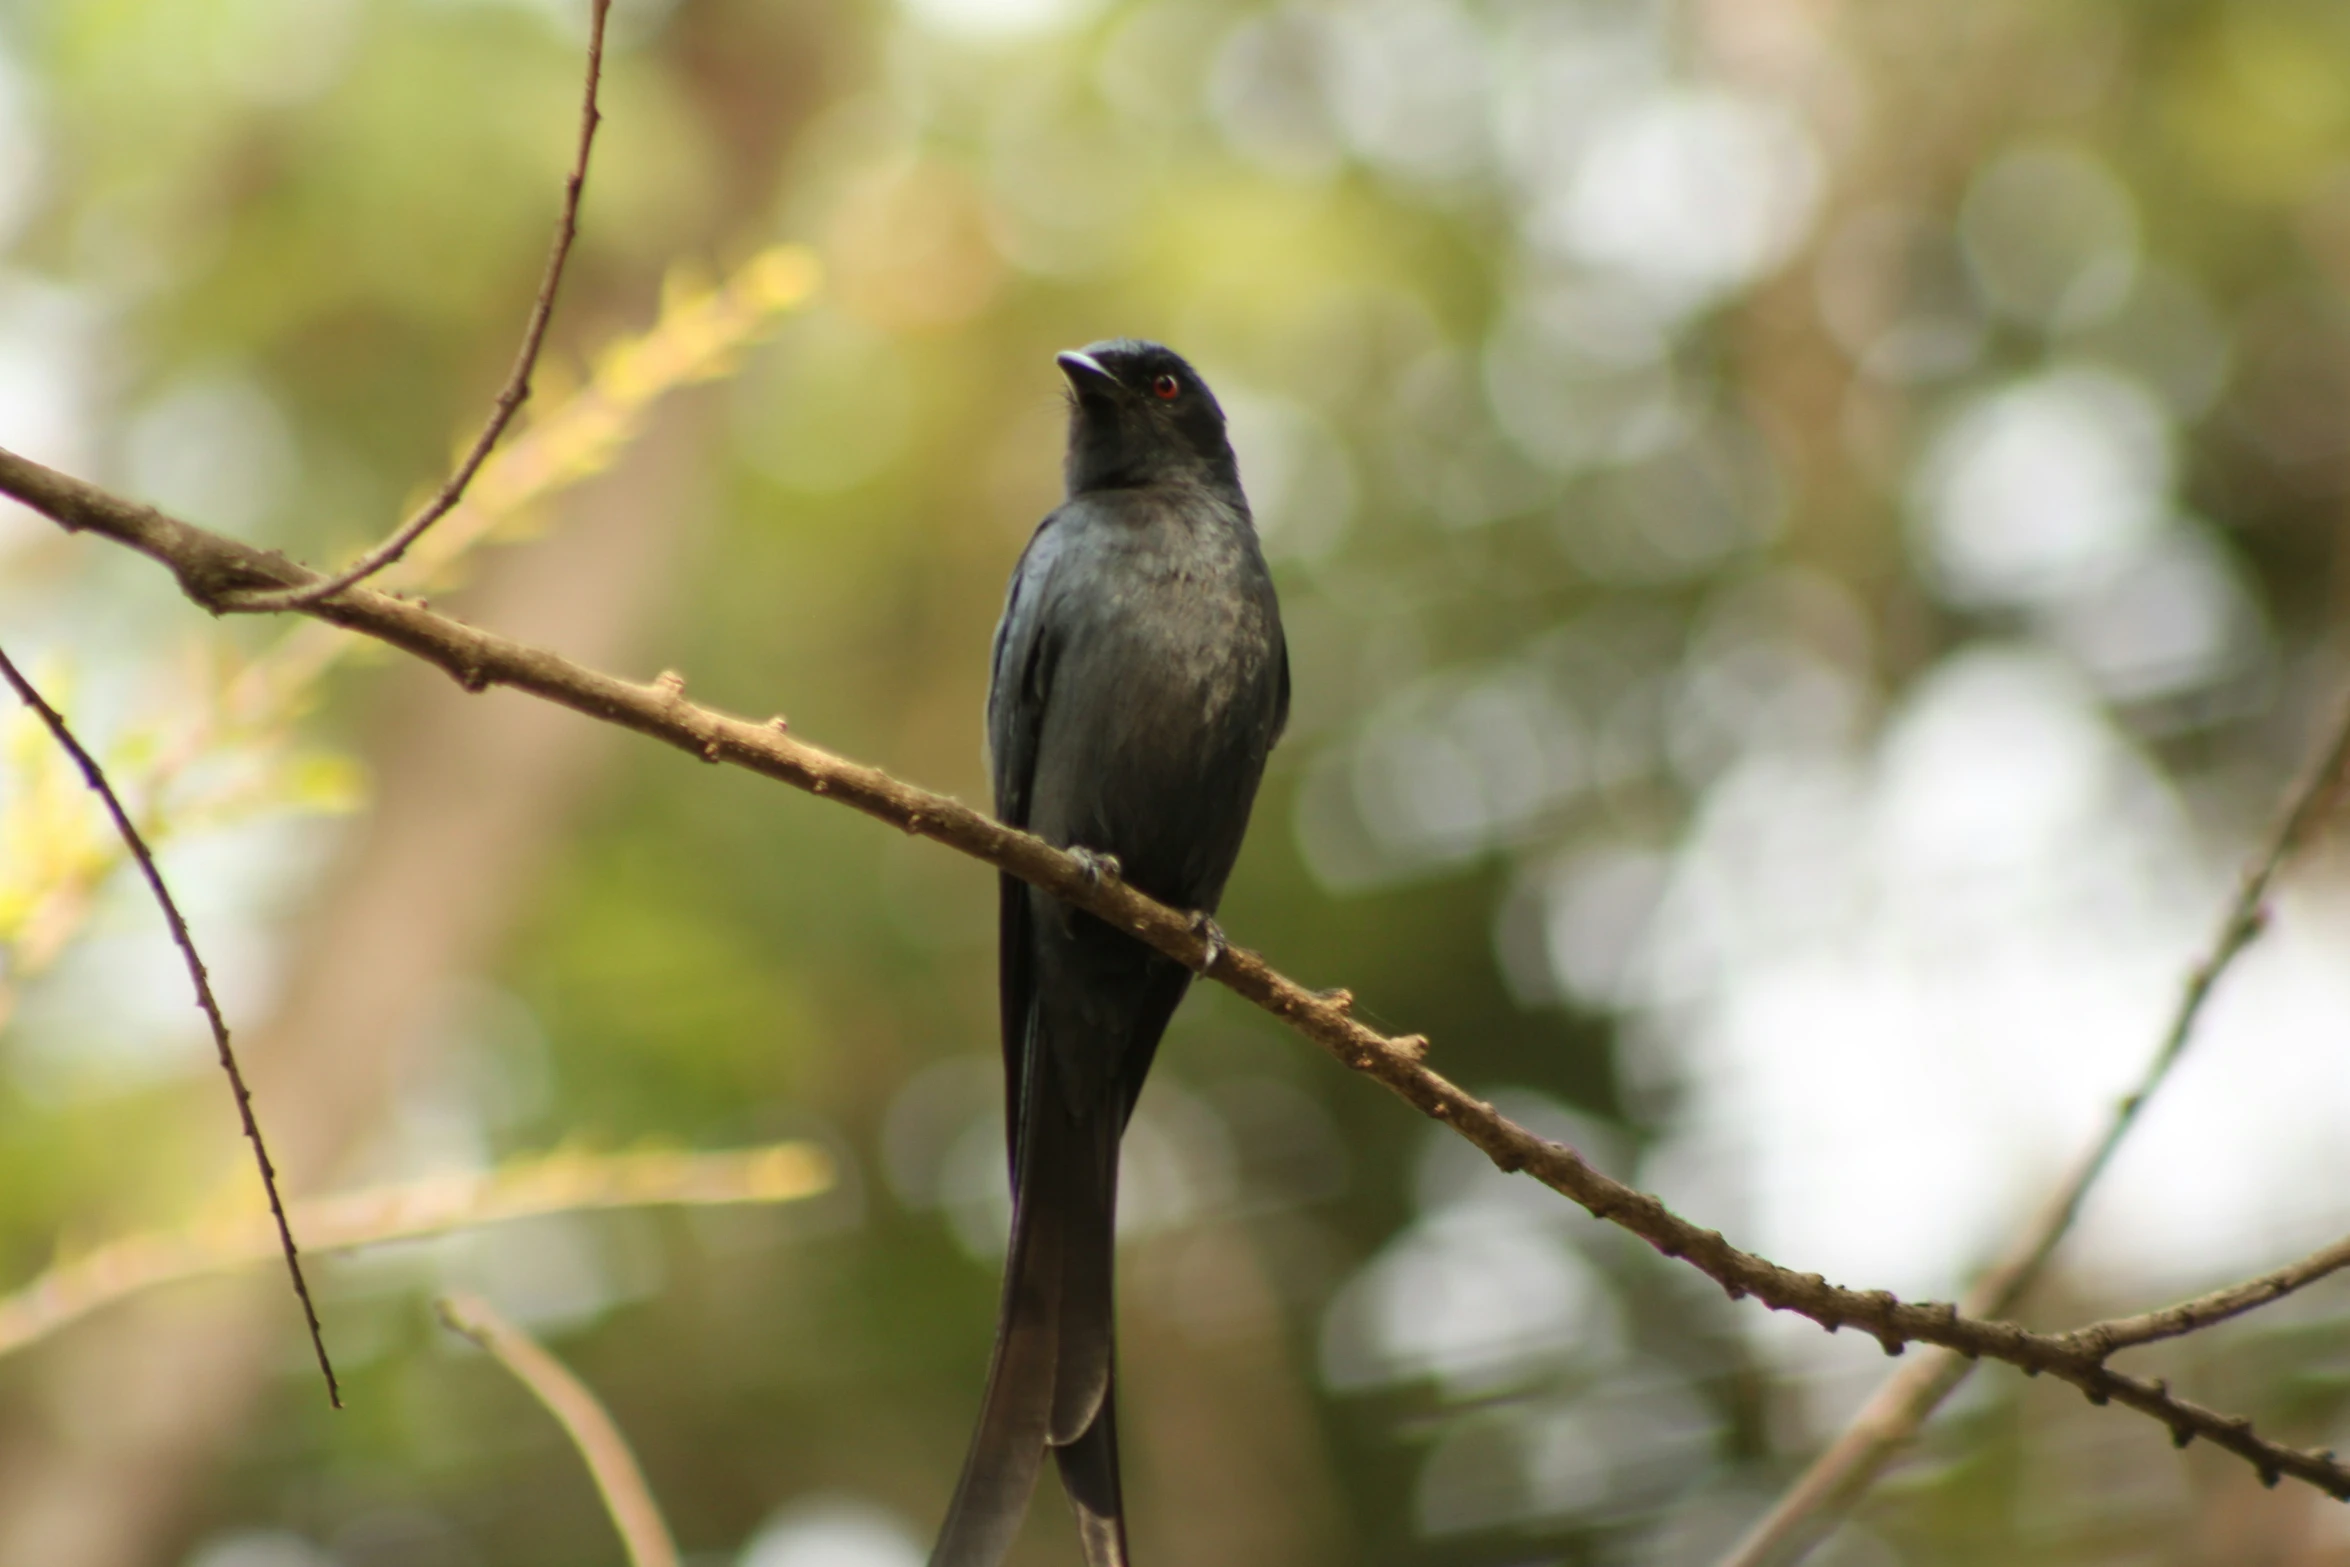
x,y
1140,678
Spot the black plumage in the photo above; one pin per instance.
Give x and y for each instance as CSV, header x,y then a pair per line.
x,y
1140,679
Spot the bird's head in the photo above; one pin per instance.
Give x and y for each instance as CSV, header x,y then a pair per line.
x,y
1138,414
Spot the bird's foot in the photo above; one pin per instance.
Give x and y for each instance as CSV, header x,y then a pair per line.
x,y
1212,936
1096,866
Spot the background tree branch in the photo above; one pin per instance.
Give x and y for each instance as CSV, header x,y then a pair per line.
x,y
619,1480
563,1182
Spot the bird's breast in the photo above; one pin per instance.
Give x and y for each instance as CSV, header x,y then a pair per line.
x,y
1188,646
1160,716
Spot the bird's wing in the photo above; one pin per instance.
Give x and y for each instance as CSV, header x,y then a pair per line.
x,y
1021,674
1281,700
1019,682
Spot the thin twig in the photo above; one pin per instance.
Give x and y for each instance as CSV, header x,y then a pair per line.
x,y
627,1498
517,389
2193,1316
699,335
209,566
1848,1466
566,1182
95,776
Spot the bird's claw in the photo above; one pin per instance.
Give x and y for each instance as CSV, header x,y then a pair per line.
x,y
1096,866
1212,938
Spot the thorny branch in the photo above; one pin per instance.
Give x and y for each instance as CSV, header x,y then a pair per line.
x,y
510,398
96,778
1846,1468
211,569
627,1498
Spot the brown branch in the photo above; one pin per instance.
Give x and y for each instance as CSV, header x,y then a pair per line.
x,y
345,1221
209,567
95,776
2192,1316
510,399
626,1496
1848,1466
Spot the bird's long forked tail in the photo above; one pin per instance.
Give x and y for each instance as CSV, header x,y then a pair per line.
x,y
1048,1384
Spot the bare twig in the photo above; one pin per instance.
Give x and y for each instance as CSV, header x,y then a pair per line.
x,y
699,335
514,394
2192,1316
1848,1466
566,1182
626,1496
96,777
209,566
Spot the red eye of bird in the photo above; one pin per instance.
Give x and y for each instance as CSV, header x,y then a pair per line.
x,y
1166,386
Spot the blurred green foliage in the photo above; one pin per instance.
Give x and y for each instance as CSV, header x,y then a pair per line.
x,y
1632,393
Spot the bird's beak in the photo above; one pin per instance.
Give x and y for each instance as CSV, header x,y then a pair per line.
x,y
1085,372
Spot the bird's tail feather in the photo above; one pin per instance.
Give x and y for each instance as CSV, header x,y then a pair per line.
x,y
1049,1380
1088,1195
1089,1473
